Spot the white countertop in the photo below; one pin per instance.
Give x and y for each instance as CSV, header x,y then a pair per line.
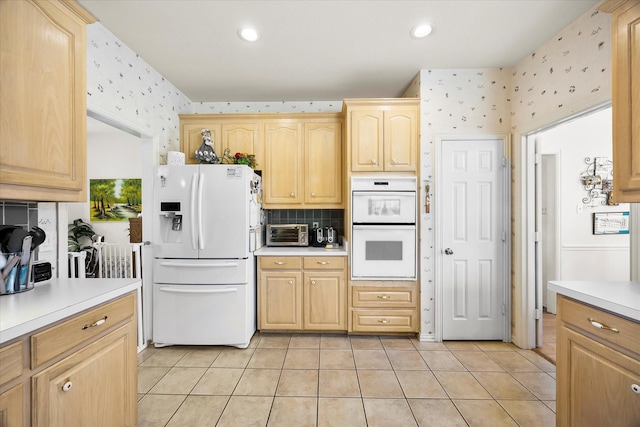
x,y
55,300
300,251
622,298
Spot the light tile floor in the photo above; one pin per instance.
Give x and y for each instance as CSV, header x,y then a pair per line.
x,y
336,380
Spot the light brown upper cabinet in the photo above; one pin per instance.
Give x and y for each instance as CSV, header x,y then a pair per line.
x,y
625,48
238,133
382,134
43,100
303,167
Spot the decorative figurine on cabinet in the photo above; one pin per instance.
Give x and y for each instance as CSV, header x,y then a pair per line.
x,y
206,153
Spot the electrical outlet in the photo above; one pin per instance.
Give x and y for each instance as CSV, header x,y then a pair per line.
x,y
315,224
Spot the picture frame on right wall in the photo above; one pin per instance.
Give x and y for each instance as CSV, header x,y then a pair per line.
x,y
611,223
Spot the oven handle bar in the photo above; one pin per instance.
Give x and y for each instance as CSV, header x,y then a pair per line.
x,y
382,226
199,265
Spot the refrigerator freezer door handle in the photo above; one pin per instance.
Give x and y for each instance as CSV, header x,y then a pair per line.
x,y
192,222
198,291
200,234
199,264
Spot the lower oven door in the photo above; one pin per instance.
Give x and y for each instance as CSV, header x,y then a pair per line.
x,y
383,252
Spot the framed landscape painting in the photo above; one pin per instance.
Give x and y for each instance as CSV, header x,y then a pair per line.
x,y
114,199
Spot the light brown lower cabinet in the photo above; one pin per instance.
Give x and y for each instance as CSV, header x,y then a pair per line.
x,y
88,381
384,307
302,293
598,368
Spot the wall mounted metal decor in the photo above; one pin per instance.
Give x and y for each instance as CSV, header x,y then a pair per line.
x,y
597,181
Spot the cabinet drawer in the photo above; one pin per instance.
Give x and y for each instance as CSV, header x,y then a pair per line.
x,y
10,362
384,320
280,262
56,340
577,315
324,263
384,297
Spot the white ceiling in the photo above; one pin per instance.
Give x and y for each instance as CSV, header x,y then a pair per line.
x,y
325,50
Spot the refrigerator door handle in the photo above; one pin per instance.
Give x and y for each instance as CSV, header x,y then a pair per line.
x,y
199,264
197,291
192,225
200,233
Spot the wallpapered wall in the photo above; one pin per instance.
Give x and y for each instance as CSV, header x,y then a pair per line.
x,y
268,107
568,73
122,83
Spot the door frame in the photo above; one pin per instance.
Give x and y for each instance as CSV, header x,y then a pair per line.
x,y
506,223
528,324
149,143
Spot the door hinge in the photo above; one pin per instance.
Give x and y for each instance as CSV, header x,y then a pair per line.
x,y
504,236
538,314
538,159
504,161
504,309
536,236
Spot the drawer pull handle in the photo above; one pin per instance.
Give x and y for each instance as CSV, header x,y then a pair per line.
x,y
96,323
635,388
383,321
279,262
67,386
599,325
323,262
384,296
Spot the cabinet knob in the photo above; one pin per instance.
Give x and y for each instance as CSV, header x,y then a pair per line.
x,y
292,194
384,296
291,282
383,321
373,161
96,323
67,386
313,194
394,161
600,325
635,388
313,282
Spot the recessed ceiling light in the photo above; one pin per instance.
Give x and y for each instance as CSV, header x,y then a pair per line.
x,y
421,30
249,34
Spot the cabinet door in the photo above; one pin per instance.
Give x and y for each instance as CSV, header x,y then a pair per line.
x,y
626,103
400,140
96,386
280,300
12,407
242,138
43,102
366,141
594,383
324,301
282,178
323,163
192,140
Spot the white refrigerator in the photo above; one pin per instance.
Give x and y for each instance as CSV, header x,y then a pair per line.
x,y
206,218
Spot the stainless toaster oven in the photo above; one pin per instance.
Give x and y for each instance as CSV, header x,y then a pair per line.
x,y
287,235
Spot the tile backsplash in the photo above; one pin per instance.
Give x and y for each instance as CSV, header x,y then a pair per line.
x,y
324,217
23,214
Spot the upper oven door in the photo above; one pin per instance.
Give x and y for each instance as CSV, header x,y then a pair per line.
x,y
392,207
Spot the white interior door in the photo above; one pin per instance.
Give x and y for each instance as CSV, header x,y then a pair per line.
x,y
473,227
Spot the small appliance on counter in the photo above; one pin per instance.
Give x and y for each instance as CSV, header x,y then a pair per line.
x,y
324,237
287,235
16,257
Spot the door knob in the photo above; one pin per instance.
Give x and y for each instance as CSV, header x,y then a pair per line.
x,y
448,251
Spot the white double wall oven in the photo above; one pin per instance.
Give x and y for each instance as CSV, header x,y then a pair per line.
x,y
384,231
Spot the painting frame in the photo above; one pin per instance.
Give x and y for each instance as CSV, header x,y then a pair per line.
x,y
611,223
115,199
